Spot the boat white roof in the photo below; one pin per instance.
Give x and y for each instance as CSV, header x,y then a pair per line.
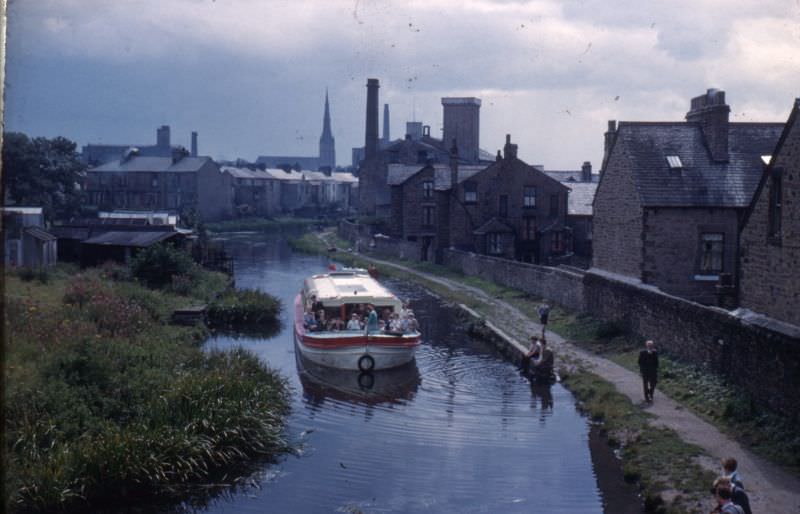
x,y
349,286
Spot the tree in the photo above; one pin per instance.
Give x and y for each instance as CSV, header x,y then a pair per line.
x,y
43,172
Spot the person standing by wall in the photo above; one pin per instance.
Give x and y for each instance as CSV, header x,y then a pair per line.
x,y
544,314
648,367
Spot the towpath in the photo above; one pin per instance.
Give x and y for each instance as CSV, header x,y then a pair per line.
x,y
770,488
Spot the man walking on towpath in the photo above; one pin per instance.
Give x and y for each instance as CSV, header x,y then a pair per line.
x,y
648,366
544,313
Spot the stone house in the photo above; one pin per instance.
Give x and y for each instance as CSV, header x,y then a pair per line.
x,y
255,192
180,183
671,199
582,186
770,254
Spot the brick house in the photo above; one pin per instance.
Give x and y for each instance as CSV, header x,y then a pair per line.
x,y
672,196
770,255
180,183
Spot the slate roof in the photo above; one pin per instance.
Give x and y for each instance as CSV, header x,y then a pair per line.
x,y
153,165
398,173
493,225
701,182
580,198
569,175
130,238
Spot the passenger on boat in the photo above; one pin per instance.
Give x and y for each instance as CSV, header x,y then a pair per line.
x,y
413,324
322,323
309,322
335,324
372,319
354,323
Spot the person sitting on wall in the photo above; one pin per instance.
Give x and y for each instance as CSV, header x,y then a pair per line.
x,y
729,470
543,364
354,323
533,353
723,494
738,496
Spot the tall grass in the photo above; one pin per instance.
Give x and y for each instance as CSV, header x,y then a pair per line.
x,y
106,401
247,310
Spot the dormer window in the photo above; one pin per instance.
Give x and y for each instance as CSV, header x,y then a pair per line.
x,y
674,162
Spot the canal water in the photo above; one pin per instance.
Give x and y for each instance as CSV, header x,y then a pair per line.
x,y
459,430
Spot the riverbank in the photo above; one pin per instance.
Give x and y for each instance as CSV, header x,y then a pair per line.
x,y
108,402
678,484
260,224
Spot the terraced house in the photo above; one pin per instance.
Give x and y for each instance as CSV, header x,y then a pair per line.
x,y
770,266
672,197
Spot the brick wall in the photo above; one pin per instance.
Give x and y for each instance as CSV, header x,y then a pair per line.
x,y
617,230
672,249
770,272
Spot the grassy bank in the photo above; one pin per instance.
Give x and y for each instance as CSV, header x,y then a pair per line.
x,y
106,402
259,224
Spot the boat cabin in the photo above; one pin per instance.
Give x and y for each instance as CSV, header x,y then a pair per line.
x,y
340,294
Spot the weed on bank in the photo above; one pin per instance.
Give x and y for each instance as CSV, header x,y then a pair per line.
x,y
108,402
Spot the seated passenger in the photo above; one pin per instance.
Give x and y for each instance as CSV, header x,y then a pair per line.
x,y
309,322
413,324
543,364
335,324
321,321
354,323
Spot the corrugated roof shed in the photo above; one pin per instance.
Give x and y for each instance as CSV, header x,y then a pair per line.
x,y
40,234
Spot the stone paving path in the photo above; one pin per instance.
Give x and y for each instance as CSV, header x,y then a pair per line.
x,y
770,488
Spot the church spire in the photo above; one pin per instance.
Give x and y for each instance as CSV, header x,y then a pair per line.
x,y
327,147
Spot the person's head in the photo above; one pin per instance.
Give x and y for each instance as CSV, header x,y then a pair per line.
x,y
729,465
649,344
543,342
722,489
534,340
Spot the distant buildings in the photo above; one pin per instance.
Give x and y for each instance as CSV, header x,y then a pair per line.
x,y
97,154
327,151
461,126
179,183
770,255
672,195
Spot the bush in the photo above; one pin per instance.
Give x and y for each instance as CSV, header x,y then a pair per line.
x,y
246,309
30,274
156,265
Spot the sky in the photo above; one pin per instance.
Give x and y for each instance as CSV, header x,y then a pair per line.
x,y
250,75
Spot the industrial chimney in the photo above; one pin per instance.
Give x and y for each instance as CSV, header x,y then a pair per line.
x,y
194,144
371,139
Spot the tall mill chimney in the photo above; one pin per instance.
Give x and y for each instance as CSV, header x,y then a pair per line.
x,y
385,124
711,112
371,139
194,144
162,137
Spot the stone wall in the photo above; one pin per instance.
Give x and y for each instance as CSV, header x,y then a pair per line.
x,y
564,287
763,360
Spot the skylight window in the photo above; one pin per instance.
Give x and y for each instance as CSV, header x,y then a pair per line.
x,y
674,162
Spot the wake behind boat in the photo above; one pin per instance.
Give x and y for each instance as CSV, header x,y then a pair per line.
x,y
335,325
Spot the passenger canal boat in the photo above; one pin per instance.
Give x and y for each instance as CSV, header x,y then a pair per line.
x,y
325,305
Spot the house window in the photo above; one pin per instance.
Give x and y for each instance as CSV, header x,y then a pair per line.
x,y
427,215
557,242
427,189
494,244
711,252
775,202
530,229
553,206
529,196
470,192
154,180
503,207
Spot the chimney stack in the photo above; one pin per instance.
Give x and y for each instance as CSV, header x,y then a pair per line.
x,y
414,130
712,113
509,150
371,139
194,144
462,122
162,137
586,171
385,124
608,139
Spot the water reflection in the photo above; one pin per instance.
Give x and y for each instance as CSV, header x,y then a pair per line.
x,y
384,386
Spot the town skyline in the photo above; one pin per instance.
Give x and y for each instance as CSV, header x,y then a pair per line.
x,y
251,83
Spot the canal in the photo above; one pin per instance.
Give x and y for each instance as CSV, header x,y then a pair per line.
x,y
459,430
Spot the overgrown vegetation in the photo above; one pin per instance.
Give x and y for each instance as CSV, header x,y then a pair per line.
x,y
107,402
666,468
245,310
259,224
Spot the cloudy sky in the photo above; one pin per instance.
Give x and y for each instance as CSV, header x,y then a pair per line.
x,y
250,75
